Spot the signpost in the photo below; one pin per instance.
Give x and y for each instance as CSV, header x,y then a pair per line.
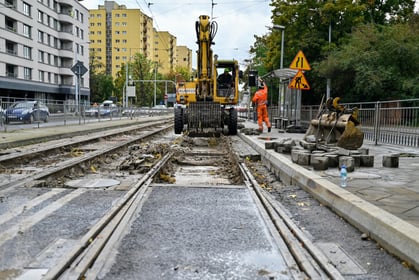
x,y
79,70
299,82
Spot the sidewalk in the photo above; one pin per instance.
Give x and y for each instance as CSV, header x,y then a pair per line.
x,y
380,201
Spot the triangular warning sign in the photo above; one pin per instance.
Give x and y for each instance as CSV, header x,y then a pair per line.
x,y
300,62
299,81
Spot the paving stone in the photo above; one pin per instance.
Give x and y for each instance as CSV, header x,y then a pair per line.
x,y
391,160
319,162
367,160
349,162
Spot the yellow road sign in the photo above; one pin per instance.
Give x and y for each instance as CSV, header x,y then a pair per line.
x,y
300,62
299,81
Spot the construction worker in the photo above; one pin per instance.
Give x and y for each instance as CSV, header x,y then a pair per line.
x,y
225,79
261,100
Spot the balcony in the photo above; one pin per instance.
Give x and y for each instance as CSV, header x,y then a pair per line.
x,y
11,47
10,24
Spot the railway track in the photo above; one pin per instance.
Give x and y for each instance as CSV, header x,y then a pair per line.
x,y
45,160
192,170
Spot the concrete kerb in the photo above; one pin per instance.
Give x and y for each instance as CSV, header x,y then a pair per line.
x,y
395,235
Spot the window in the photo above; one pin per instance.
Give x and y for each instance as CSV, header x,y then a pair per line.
x,y
40,36
117,41
41,75
27,52
81,33
82,50
92,24
116,23
81,17
26,9
40,16
99,33
99,41
117,15
99,24
124,15
124,24
27,30
27,73
124,32
117,32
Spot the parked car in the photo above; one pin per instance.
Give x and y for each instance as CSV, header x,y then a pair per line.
x,y
108,109
91,112
27,112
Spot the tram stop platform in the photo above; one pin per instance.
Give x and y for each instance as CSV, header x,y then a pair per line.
x,y
381,201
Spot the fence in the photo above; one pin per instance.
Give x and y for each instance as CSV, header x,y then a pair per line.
x,y
388,122
67,112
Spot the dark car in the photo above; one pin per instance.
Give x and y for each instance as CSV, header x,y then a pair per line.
x,y
27,112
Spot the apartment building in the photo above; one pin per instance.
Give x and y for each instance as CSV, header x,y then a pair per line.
x,y
184,57
117,34
40,41
165,51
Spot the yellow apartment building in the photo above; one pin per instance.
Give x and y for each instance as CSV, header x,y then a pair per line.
x,y
184,57
164,51
117,33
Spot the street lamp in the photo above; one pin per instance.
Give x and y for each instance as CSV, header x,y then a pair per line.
x,y
328,81
282,93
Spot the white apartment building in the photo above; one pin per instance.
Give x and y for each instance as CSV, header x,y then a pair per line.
x,y
40,41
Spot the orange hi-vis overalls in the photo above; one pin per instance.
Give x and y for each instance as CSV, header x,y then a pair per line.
x,y
261,100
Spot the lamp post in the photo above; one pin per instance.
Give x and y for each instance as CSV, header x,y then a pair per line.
x,y
155,82
281,88
328,81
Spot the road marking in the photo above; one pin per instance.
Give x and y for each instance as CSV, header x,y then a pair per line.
x,y
32,220
29,205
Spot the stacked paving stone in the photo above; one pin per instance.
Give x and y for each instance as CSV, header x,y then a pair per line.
x,y
320,156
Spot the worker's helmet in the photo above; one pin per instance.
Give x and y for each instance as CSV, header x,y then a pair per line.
x,y
261,85
226,70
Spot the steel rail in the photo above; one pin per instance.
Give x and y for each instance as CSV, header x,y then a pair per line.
x,y
80,261
75,161
63,144
309,257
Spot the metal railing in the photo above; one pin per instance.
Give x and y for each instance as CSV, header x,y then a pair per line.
x,y
388,122
67,112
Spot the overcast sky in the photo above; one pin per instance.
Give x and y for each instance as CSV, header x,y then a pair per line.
x,y
238,21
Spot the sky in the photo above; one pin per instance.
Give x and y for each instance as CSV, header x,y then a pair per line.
x,y
238,21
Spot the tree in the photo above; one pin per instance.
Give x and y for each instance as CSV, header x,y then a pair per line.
x,y
377,63
101,85
140,69
307,28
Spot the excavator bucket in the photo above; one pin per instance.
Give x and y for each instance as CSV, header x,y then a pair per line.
x,y
336,125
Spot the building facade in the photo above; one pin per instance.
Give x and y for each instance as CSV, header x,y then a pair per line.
x,y
165,51
117,34
184,57
40,42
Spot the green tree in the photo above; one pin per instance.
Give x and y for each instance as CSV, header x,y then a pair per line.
x,y
101,85
140,69
307,28
377,63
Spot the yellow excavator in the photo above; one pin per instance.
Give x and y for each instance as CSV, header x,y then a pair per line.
x,y
205,105
337,125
